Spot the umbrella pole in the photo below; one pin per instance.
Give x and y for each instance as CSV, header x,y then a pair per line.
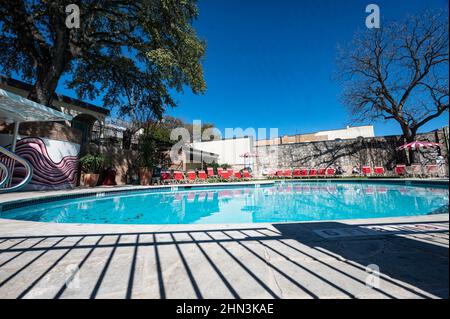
x,y
15,134
406,152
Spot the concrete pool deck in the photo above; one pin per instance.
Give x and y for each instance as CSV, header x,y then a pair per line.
x,y
292,260
402,257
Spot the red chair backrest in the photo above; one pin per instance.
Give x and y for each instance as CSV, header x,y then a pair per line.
x,y
230,171
400,169
304,172
201,174
247,174
321,171
331,171
312,172
191,175
432,168
379,170
297,172
210,171
279,173
224,174
178,175
237,175
367,169
165,175
287,172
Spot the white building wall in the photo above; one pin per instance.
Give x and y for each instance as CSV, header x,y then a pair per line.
x,y
230,151
348,133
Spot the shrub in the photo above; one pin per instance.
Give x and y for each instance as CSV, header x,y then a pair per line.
x,y
92,163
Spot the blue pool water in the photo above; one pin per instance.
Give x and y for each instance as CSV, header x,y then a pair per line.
x,y
244,204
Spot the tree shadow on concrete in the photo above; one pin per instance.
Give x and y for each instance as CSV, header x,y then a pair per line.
x,y
399,251
277,261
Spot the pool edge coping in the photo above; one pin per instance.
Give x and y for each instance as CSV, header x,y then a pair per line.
x,y
38,228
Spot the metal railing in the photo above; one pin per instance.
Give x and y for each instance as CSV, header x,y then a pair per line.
x,y
4,172
7,173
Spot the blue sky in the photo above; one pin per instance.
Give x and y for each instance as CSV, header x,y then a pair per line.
x,y
269,63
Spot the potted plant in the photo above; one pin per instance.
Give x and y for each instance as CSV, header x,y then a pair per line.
x,y
91,165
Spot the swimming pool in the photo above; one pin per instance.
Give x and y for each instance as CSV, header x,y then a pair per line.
x,y
279,202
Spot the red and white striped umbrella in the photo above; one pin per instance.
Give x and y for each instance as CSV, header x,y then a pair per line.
x,y
418,145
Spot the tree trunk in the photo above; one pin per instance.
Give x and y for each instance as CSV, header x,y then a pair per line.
x,y
410,135
51,66
44,88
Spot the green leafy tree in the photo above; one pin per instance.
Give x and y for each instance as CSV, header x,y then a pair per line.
x,y
132,53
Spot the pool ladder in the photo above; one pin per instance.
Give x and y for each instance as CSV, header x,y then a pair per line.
x,y
6,174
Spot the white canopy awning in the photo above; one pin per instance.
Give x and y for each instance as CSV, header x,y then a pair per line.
x,y
15,108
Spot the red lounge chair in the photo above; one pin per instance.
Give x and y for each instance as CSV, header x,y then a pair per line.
x,y
304,172
321,171
202,175
237,175
379,170
416,170
210,171
297,173
331,171
432,170
191,176
279,173
165,177
246,174
400,170
313,172
224,174
178,176
367,170
288,173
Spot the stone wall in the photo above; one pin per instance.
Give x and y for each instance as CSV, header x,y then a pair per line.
x,y
347,153
124,162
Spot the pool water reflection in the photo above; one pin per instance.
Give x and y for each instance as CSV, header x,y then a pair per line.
x,y
278,203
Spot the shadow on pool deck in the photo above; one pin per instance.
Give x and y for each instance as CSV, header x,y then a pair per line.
x,y
286,261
